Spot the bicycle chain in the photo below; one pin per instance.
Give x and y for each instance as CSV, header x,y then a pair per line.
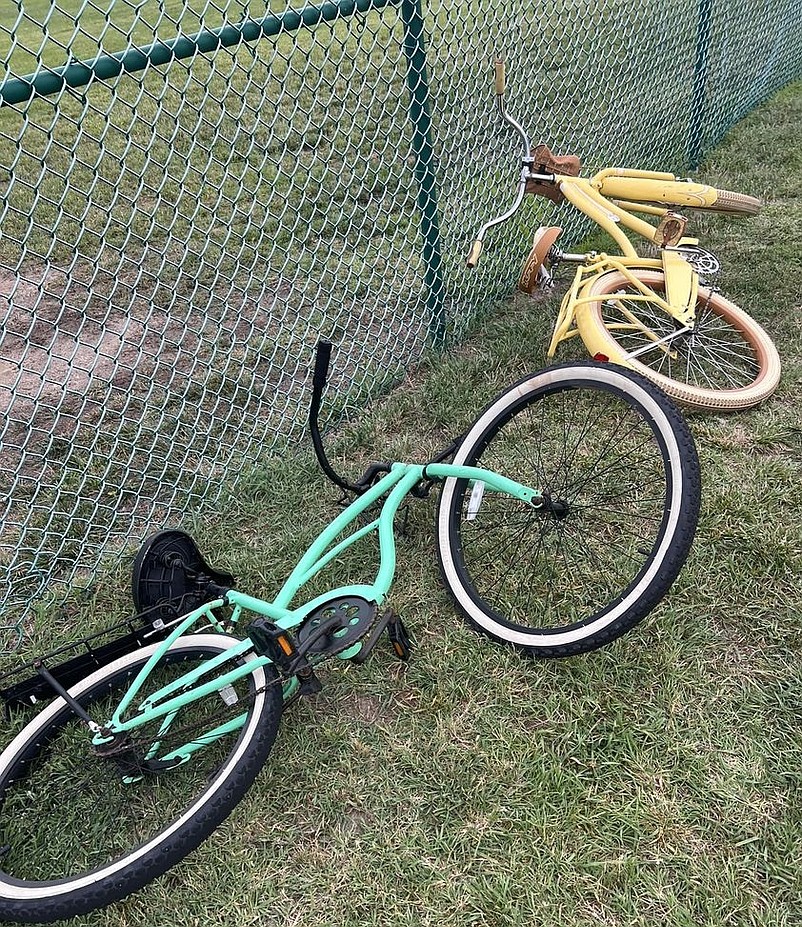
x,y
181,735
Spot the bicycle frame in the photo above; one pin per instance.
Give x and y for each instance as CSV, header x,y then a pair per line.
x,y
681,281
585,195
590,195
681,285
611,198
167,702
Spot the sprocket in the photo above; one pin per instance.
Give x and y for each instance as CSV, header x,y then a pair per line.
x,y
357,617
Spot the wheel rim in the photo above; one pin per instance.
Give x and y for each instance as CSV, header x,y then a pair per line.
x,y
604,470
717,355
86,819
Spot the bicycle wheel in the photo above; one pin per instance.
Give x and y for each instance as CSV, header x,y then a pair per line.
x,y
727,361
82,831
619,465
733,204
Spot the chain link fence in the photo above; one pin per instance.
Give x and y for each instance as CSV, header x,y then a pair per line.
x,y
191,193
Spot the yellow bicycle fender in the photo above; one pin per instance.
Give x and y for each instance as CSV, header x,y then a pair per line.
x,y
671,192
682,284
594,342
565,317
588,295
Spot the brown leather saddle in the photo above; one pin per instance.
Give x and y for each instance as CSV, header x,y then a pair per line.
x,y
548,163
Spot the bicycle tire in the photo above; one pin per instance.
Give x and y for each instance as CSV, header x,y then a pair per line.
x,y
727,363
31,892
734,204
600,439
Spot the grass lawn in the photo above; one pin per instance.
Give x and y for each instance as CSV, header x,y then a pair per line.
x,y
656,781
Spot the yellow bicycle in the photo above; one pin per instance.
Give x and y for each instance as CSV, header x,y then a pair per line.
x,y
658,315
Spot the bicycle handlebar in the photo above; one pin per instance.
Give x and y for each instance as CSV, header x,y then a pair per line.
x,y
527,163
374,470
473,255
319,378
500,76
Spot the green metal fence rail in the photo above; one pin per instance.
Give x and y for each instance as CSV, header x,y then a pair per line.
x,y
192,192
131,60
421,121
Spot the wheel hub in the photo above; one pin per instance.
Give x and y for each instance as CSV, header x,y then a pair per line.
x,y
557,508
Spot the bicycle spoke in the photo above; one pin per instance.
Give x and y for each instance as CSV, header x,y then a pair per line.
x,y
713,356
595,457
101,806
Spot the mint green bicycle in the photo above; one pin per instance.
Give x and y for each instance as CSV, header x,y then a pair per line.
x,y
566,511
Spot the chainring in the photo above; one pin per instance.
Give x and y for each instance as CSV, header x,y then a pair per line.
x,y
704,262
357,616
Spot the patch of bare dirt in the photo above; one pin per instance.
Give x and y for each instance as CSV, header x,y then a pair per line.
x,y
129,393
65,334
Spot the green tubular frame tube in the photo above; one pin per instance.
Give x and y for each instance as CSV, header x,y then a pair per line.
x,y
493,481
222,730
333,553
396,485
181,628
310,564
105,67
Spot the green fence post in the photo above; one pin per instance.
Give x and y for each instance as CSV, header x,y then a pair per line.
x,y
698,108
421,118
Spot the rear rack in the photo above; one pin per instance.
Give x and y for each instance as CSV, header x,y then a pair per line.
x,y
72,662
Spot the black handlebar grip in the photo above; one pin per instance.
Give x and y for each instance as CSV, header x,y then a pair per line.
x,y
322,358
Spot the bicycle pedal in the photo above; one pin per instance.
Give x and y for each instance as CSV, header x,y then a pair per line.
x,y
269,640
400,638
283,649
369,642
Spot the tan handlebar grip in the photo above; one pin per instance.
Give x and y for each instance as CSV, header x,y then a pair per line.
x,y
473,255
500,78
